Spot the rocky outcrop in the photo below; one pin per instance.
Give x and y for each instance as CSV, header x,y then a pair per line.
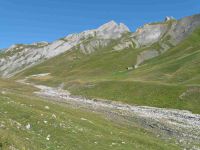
x,y
149,54
146,55
111,30
124,45
173,31
182,28
104,36
176,30
20,47
150,34
93,45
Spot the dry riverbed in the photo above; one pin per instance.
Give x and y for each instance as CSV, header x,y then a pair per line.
x,y
179,125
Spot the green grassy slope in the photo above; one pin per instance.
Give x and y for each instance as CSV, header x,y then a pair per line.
x,y
67,128
170,80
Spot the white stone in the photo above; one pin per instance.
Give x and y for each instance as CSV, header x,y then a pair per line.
x,y
28,126
48,137
46,107
54,116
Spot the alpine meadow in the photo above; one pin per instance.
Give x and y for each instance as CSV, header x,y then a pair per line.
x,y
105,88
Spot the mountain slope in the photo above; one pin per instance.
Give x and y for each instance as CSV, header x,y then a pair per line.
x,y
169,80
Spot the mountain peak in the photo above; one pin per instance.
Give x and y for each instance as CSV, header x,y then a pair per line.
x,y
112,22
169,18
112,30
109,25
124,27
113,25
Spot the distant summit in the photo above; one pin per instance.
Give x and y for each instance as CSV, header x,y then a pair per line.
x,y
169,18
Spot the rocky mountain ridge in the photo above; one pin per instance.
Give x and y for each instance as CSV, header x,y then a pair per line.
x,y
166,34
19,57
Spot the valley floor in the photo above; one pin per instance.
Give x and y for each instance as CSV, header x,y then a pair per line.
x,y
30,122
182,126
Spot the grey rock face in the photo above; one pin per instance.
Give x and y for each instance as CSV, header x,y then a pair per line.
x,y
177,31
146,55
19,47
111,30
93,45
164,47
149,34
182,28
123,45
